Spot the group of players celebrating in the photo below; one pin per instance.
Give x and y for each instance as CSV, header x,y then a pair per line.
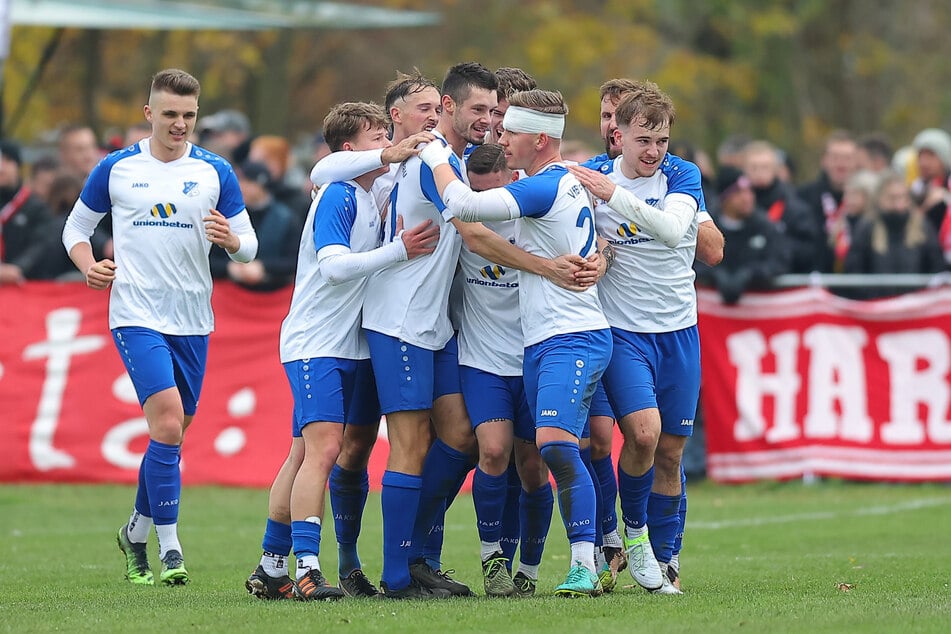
x,y
502,308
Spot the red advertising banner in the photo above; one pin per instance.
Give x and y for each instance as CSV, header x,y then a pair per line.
x,y
803,383
794,383
69,412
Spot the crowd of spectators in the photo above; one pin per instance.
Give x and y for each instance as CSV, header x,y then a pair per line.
x,y
867,209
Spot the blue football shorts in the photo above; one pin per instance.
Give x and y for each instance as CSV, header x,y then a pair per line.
x,y
156,362
659,370
332,390
561,375
492,397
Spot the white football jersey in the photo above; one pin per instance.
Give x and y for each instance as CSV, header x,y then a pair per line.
x,y
163,281
409,300
490,331
650,286
324,319
556,219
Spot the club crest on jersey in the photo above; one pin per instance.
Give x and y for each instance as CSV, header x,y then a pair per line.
x,y
627,230
493,271
190,188
164,210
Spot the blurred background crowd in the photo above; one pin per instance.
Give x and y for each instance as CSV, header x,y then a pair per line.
x,y
765,92
861,207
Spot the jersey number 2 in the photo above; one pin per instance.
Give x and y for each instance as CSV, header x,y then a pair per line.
x,y
585,217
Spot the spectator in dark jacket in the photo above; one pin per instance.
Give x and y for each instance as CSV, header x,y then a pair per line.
x,y
894,238
755,251
24,219
762,165
55,264
824,195
278,236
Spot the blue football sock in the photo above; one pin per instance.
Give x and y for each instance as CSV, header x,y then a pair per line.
x,y
277,538
679,540
535,509
348,497
634,491
511,530
400,500
460,480
488,497
306,538
431,549
163,482
663,518
142,493
576,498
442,471
607,483
598,503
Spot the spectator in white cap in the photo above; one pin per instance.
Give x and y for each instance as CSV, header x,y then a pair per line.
x,y
930,191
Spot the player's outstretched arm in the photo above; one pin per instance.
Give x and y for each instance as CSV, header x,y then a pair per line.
x,y
399,152
567,271
338,264
669,225
344,166
461,202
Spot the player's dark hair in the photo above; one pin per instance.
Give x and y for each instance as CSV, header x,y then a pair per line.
x,y
404,85
462,78
487,158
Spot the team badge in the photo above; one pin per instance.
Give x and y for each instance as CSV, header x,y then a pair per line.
x,y
190,188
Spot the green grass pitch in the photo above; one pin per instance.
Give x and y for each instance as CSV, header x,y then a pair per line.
x,y
831,557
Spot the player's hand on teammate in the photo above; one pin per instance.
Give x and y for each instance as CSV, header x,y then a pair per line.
x,y
600,267
406,148
435,153
218,231
100,275
595,182
420,240
573,272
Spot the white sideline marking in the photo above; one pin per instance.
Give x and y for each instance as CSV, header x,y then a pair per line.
x,y
911,505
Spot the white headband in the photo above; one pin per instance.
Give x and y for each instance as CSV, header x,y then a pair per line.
x,y
518,119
